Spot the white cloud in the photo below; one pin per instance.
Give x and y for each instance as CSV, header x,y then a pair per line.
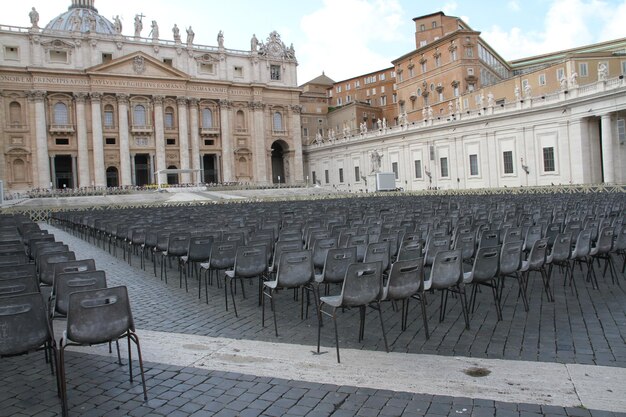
x,y
514,5
449,8
567,24
342,32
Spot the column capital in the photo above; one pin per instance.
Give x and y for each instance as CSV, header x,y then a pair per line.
x,y
80,97
193,102
225,103
158,99
122,98
181,100
95,96
37,95
296,108
256,105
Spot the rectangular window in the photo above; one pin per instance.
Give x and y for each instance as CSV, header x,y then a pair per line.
x,y
444,167
326,176
381,77
418,168
411,72
623,67
469,52
58,56
357,84
275,72
437,61
107,57
305,132
238,72
62,141
348,99
373,90
542,79
347,86
453,56
341,175
108,119
473,162
548,159
207,68
339,89
383,100
169,120
209,142
394,98
314,177
109,141
394,168
12,53
583,69
170,142
621,131
339,102
507,157
357,174
560,73
168,61
382,89
423,65
423,43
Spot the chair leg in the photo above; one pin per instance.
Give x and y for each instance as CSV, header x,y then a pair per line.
x,y
143,378
233,283
273,306
464,307
61,379
382,324
361,322
496,298
424,317
130,358
226,280
336,333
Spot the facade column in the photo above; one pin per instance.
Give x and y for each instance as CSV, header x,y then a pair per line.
x,y
74,174
195,140
53,171
122,121
183,138
41,136
227,146
296,133
608,167
97,140
258,138
159,135
84,179
133,172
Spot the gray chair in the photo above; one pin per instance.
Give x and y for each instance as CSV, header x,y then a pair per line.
x,y
95,317
485,272
537,262
405,282
295,270
511,257
18,285
250,262
446,275
362,287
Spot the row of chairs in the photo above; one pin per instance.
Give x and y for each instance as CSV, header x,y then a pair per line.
x,y
94,313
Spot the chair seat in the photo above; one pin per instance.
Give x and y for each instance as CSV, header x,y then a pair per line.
x,y
467,277
230,273
549,259
184,258
593,251
332,300
525,266
205,265
319,278
271,284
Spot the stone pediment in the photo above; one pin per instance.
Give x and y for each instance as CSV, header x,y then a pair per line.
x,y
138,65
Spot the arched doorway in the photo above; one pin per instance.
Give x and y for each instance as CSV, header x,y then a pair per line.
x,y
112,177
278,167
172,179
142,169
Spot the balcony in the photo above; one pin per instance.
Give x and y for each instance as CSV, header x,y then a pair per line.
x,y
209,131
141,129
241,130
279,132
61,129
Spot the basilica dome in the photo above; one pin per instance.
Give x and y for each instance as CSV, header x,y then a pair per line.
x,y
83,17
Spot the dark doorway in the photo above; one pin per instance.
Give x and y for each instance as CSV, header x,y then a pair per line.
x,y
142,169
112,177
278,168
63,171
172,178
209,174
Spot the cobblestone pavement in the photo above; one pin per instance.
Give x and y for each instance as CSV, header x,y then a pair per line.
x,y
582,326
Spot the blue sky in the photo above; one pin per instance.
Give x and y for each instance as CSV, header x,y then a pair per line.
x,y
346,38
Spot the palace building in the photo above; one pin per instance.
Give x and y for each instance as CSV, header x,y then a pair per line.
x,y
83,104
466,118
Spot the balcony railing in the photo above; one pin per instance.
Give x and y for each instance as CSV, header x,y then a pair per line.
x,y
141,129
207,131
54,128
279,132
241,130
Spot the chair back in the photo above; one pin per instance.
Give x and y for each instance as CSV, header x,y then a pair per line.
x,y
320,250
66,283
362,284
80,265
46,265
486,264
337,262
178,243
620,242
447,269
24,323
512,234
511,257
18,285
295,268
466,242
250,261
411,249
379,251
561,247
583,244
223,254
537,255
360,242
16,271
199,249
394,241
98,315
533,233
435,245
405,279
489,238
162,241
605,240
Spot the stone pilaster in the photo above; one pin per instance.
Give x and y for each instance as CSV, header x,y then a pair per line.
x,y
99,170
41,139
84,178
227,146
195,139
159,136
183,138
122,116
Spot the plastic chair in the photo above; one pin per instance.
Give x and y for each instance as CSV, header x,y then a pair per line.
x,y
321,246
46,265
295,270
511,257
25,328
250,262
560,253
379,251
485,272
405,282
198,251
580,255
335,266
223,255
602,250
18,285
66,283
177,246
446,275
95,317
362,287
16,271
537,262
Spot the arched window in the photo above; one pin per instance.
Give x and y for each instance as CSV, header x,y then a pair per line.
x,y
61,116
278,122
19,170
169,117
207,118
241,121
109,116
15,113
139,115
